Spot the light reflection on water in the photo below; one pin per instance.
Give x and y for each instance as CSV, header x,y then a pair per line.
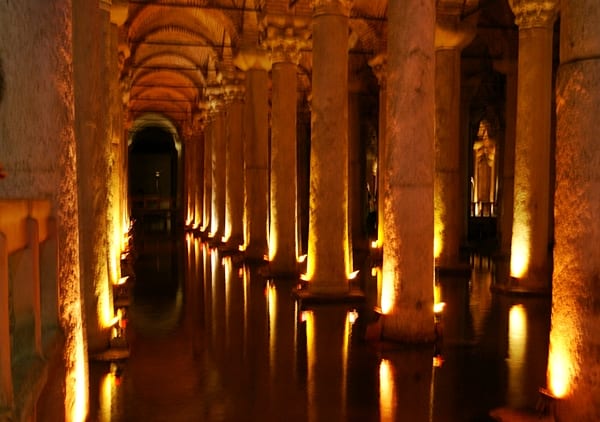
x,y
213,340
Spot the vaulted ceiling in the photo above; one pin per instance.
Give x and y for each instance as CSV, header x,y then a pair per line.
x,y
171,49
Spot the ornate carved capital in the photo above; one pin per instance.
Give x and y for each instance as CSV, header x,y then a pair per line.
x,y
235,88
331,7
285,44
252,59
534,13
379,66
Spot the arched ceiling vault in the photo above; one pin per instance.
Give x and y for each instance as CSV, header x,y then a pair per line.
x,y
172,44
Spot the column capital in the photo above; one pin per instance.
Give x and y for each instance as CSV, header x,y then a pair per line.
x,y
284,44
234,88
331,7
452,31
534,13
119,10
252,58
379,66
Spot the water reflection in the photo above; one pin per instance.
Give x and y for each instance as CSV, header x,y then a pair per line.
x,y
214,340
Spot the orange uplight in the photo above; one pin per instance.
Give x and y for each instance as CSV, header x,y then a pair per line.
x,y
520,251
388,293
560,369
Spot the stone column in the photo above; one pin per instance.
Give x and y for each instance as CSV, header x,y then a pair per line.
x,y
256,152
218,148
284,44
408,263
574,359
451,35
234,202
379,66
509,69
529,250
207,176
91,35
329,260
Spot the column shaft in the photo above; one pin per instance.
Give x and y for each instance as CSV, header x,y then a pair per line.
x,y
328,262
574,359
91,28
283,251
207,177
198,178
407,290
530,255
256,154
448,207
235,175
218,194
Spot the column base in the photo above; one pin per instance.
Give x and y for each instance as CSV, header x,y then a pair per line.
x,y
454,268
111,354
520,287
306,295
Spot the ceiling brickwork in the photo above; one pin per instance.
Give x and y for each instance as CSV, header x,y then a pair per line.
x,y
168,46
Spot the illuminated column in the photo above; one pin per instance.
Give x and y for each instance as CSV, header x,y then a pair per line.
x,y
451,35
407,286
329,260
379,66
284,45
357,150
207,175
234,201
256,152
574,359
69,278
198,176
509,69
529,254
91,38
218,143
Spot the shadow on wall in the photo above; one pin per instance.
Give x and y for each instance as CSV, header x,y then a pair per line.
x,y
2,172
1,80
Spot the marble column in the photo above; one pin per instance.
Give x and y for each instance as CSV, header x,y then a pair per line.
x,y
218,148
234,201
256,152
574,358
207,176
530,238
379,66
91,38
452,34
329,260
508,68
408,263
284,45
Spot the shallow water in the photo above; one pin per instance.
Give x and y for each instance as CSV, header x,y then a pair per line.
x,y
213,340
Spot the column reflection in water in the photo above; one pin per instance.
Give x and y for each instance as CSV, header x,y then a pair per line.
x,y
387,392
328,331
516,359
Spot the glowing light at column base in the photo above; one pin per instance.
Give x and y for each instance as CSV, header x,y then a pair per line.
x,y
388,292
76,389
561,368
438,241
519,256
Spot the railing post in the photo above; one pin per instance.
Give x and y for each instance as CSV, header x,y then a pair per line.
x,y
6,385
33,235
